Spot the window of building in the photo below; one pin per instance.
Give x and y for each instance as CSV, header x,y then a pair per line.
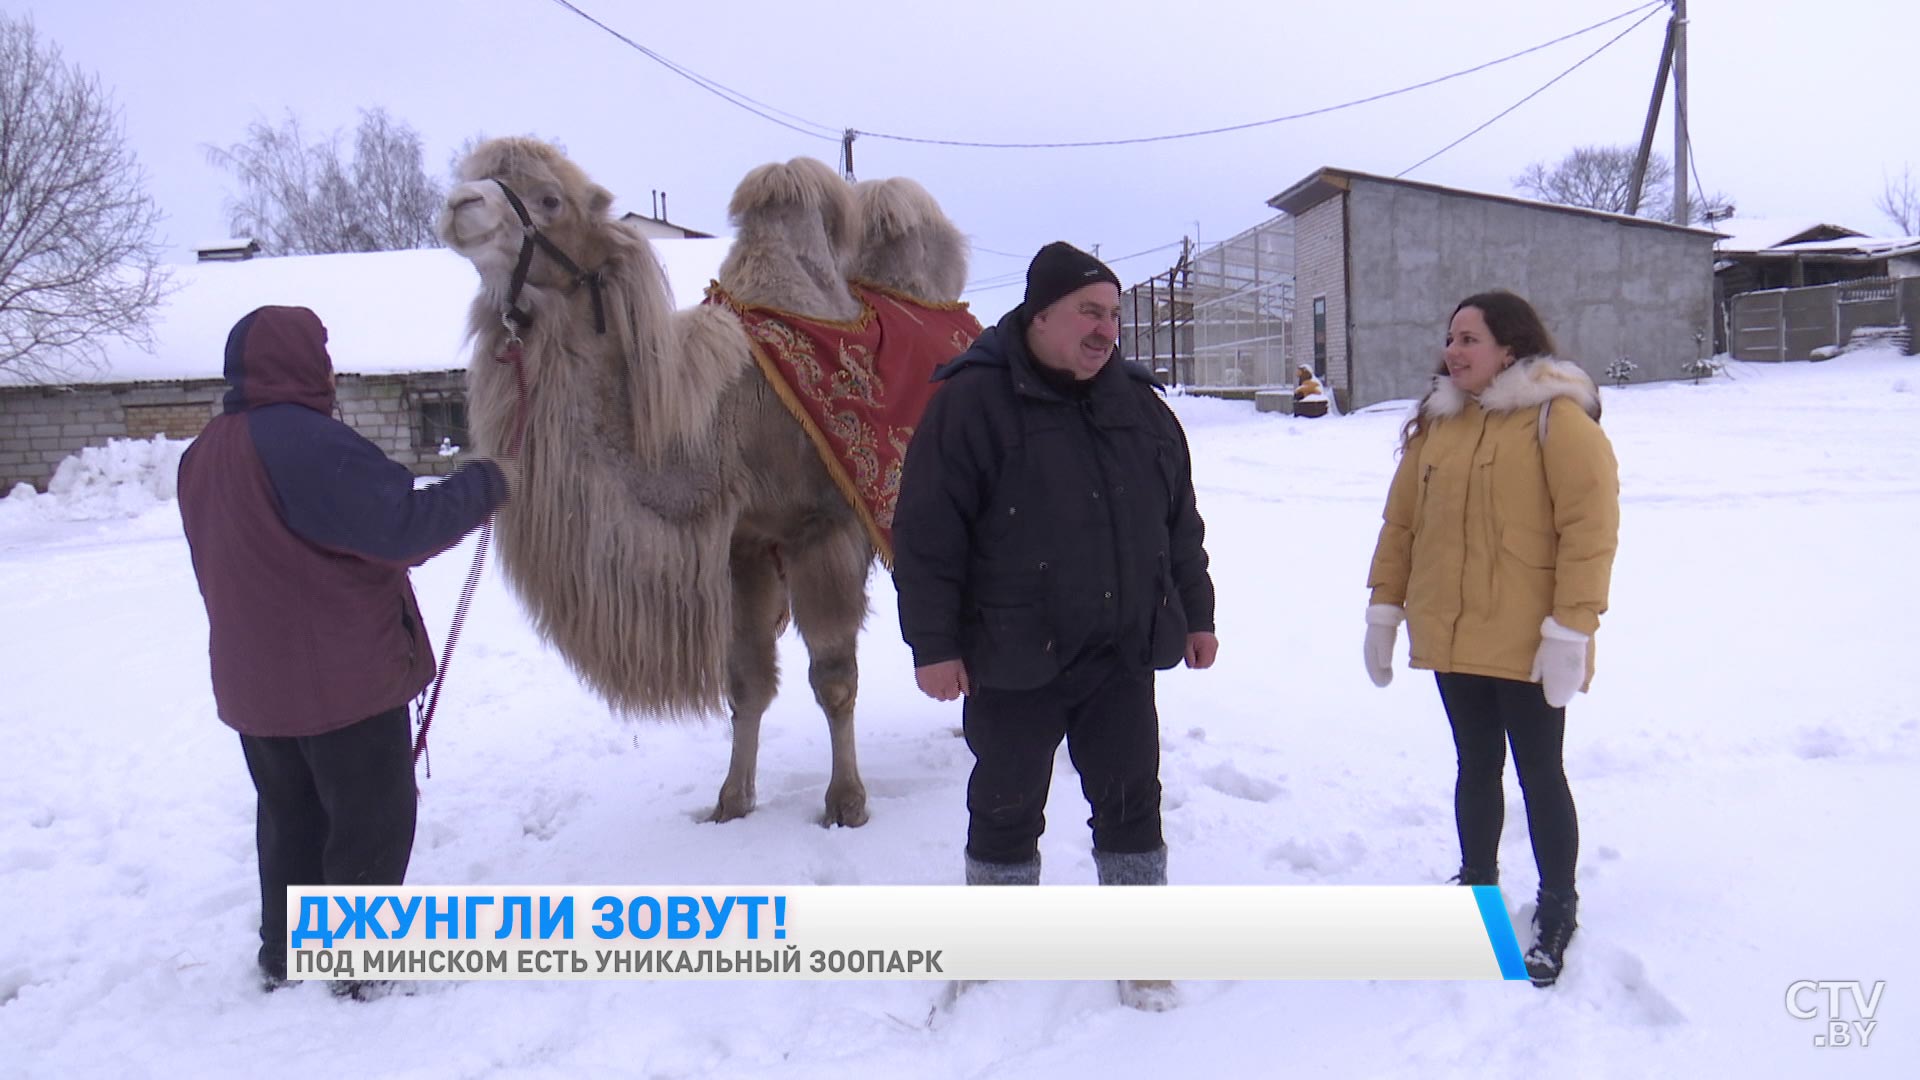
x,y
1320,337
439,419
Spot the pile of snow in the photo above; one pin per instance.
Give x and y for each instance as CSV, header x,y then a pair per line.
x,y
1891,338
123,479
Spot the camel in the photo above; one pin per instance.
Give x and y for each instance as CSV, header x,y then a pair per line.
x,y
673,515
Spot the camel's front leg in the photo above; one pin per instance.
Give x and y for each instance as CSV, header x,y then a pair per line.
x,y
736,792
753,669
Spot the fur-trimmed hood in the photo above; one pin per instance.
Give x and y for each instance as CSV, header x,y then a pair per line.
x,y
1528,384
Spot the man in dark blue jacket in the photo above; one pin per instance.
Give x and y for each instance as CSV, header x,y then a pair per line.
x,y
301,533
1048,558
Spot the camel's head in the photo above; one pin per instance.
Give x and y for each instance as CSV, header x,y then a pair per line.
x,y
479,222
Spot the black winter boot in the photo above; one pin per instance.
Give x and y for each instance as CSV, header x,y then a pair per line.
x,y
1553,925
272,963
1474,875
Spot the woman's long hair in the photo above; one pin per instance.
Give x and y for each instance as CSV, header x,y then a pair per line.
x,y
1514,325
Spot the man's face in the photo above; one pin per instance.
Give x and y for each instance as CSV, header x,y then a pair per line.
x,y
1077,332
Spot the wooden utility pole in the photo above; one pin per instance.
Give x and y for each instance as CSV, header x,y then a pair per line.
x,y
1681,148
846,154
1637,185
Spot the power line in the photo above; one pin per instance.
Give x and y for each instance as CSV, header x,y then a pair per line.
x,y
1274,120
1001,280
1536,93
718,90
834,133
1693,159
1010,276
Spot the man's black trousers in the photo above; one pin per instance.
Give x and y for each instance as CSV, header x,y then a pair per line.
x,y
1105,711
334,809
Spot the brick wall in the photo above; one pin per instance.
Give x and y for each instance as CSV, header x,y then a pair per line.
x,y
173,421
1320,269
386,409
40,426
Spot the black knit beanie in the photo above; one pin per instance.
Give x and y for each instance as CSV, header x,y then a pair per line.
x,y
1059,269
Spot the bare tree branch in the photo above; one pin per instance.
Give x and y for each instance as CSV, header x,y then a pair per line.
x,y
1900,201
1601,178
1598,178
299,198
79,262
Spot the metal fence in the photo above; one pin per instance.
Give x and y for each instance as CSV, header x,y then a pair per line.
x,y
1221,318
1156,324
1790,324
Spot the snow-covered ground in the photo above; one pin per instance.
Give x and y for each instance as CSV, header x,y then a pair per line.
x,y
1743,768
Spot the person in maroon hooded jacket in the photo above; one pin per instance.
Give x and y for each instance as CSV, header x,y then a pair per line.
x,y
301,533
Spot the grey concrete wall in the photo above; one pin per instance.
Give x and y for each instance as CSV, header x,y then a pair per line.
x,y
1910,304
1319,252
1605,289
1756,322
1792,324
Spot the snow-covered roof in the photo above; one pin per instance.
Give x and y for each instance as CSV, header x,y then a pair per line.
x,y
1759,234
1871,247
1329,181
387,312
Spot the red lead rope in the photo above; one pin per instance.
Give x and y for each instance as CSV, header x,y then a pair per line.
x,y
515,355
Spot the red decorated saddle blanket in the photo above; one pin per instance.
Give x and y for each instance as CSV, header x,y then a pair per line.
x,y
859,387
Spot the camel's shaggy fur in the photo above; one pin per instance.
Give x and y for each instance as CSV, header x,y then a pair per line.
x,y
674,512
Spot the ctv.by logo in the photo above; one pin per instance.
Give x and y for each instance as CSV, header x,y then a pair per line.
x,y
1840,1031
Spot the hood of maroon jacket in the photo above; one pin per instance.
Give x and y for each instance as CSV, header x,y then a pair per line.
x,y
301,532
278,355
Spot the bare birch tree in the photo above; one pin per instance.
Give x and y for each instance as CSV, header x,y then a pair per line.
x,y
79,261
1598,178
1900,201
298,197
1601,178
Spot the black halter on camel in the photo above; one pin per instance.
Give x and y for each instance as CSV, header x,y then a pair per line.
x,y
530,235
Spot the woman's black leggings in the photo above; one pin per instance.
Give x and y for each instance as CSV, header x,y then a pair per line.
x,y
1487,714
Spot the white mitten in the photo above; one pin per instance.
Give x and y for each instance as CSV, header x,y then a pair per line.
x,y
1560,667
1383,626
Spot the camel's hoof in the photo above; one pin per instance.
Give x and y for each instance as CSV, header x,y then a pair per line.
x,y
728,809
1149,995
849,811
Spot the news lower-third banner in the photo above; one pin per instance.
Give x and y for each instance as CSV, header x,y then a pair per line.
x,y
1204,932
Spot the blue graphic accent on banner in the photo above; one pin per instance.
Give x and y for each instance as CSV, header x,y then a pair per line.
x,y
1506,947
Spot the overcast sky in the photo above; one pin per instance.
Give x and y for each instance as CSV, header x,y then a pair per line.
x,y
1797,110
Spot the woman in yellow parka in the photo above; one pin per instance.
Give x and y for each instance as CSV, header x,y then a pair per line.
x,y
1498,545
